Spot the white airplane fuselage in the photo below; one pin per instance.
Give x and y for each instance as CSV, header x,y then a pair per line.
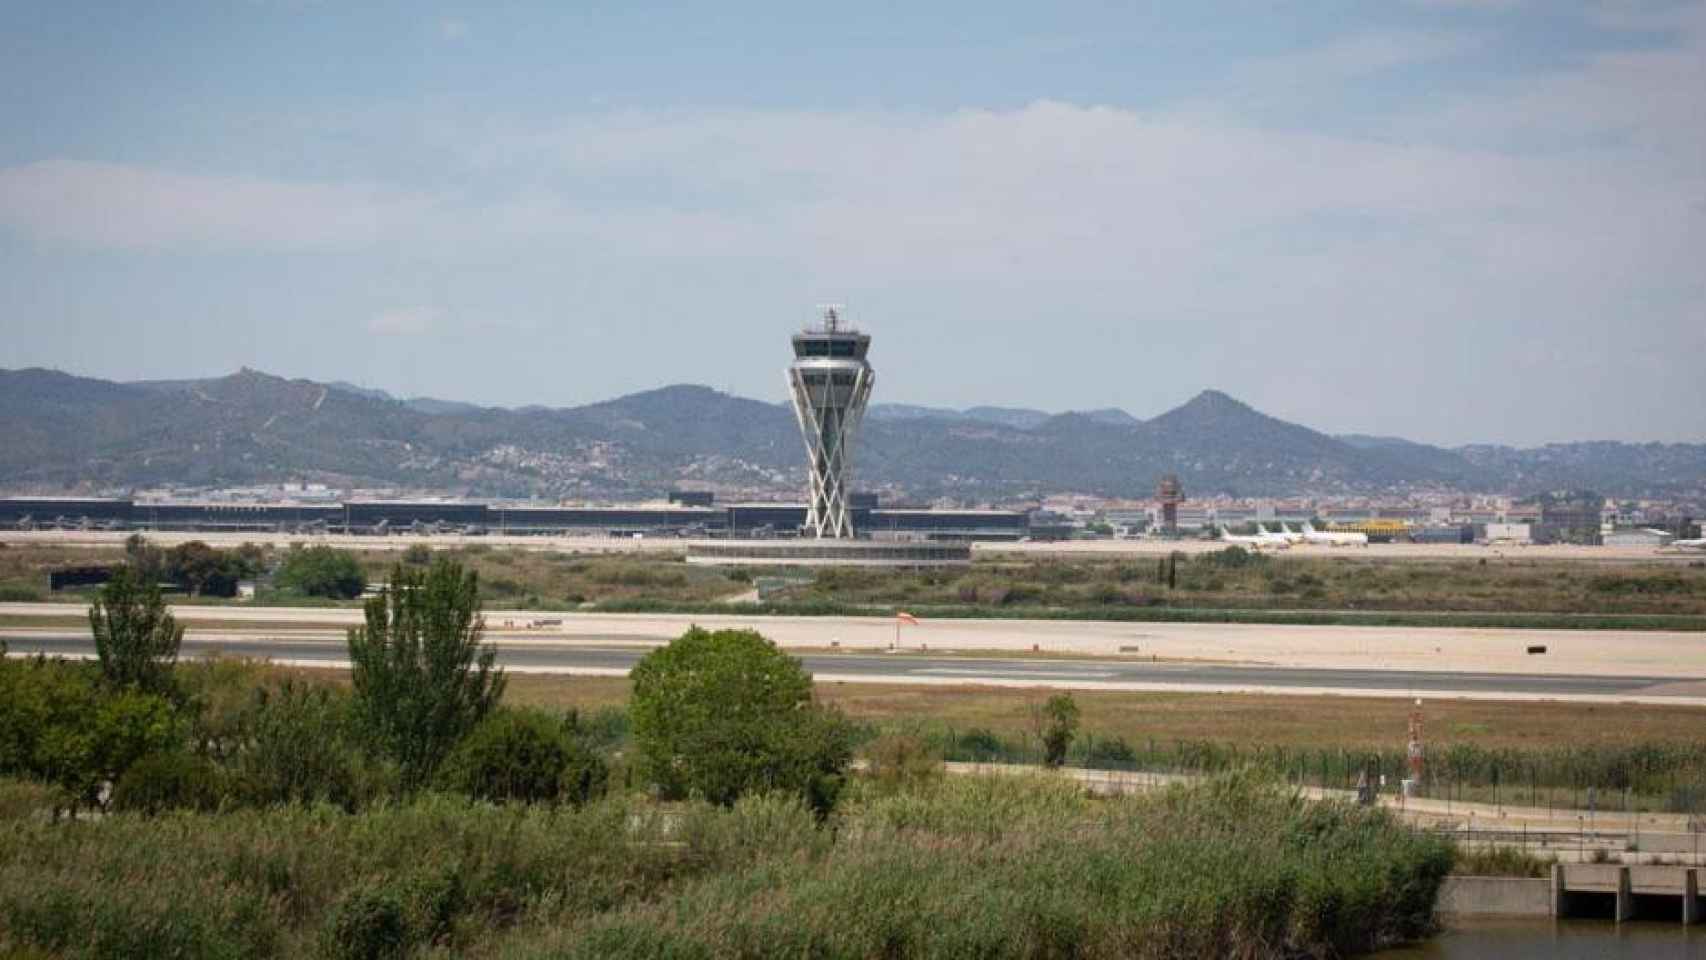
x,y
1261,541
1331,539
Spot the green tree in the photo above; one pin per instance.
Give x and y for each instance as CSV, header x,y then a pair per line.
x,y
136,638
300,747
422,677
147,560
322,572
202,570
1057,724
60,725
727,713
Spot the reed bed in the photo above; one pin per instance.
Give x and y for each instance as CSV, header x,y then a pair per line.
x,y
957,867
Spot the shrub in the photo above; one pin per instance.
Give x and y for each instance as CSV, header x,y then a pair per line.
x,y
367,925
18,593
1234,558
218,692
980,745
136,638
422,677
390,918
1110,753
174,780
601,729
727,713
1057,723
127,727
525,756
418,554
321,571
299,747
899,760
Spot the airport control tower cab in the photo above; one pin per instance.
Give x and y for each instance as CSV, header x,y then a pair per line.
x,y
830,383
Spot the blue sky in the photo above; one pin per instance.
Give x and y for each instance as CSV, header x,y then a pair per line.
x,y
1451,221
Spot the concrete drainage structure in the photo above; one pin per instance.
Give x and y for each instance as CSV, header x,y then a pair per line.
x,y
1579,889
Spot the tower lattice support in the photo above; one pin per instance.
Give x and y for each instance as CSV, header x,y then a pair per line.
x,y
829,423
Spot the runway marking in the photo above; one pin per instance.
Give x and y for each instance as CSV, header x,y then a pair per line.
x,y
1018,674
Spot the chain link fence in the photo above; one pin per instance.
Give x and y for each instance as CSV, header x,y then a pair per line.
x,y
1660,778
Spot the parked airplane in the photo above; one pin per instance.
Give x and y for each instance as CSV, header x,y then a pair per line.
x,y
1696,543
1333,538
1284,534
1261,541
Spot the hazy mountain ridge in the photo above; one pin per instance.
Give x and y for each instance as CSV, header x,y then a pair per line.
x,y
1022,418
250,427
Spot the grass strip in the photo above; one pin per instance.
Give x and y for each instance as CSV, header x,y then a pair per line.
x,y
1359,618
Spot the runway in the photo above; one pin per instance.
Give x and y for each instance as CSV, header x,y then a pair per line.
x,y
615,655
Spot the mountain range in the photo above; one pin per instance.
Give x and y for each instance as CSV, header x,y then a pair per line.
x,y
64,432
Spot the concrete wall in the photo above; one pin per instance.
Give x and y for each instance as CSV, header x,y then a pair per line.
x,y
1495,897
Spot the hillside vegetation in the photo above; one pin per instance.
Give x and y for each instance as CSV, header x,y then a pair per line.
x,y
251,427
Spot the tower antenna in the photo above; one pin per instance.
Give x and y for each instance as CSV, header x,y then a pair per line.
x,y
831,313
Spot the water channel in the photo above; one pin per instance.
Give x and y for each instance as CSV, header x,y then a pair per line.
x,y
1564,939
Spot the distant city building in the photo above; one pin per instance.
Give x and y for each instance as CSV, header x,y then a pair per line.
x,y
1570,517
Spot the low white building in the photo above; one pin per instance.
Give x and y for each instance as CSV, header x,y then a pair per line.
x,y
1637,537
1510,533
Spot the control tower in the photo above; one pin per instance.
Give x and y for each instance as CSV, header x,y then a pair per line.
x,y
1170,493
830,383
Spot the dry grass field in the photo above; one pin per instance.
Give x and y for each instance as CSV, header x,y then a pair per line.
x,y
1227,718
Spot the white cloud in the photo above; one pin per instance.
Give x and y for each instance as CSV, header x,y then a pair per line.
x,y
104,205
1154,252
404,321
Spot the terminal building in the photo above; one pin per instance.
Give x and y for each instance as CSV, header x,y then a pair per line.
x,y
378,517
